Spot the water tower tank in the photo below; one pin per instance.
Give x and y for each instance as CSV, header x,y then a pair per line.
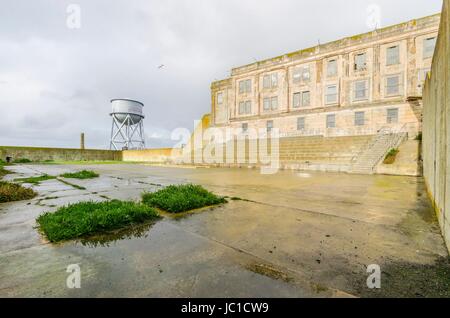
x,y
123,108
127,130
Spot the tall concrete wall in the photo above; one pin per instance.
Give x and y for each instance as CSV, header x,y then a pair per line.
x,y
163,155
58,154
436,123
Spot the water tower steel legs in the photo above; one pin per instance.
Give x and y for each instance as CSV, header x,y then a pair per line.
x,y
123,134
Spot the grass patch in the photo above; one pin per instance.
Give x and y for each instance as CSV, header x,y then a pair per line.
x,y
10,192
35,180
3,172
391,156
176,199
88,218
85,174
22,160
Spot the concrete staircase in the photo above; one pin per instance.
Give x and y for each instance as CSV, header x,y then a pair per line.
x,y
385,141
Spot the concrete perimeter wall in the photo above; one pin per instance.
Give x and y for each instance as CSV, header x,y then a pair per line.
x,y
163,155
58,154
436,123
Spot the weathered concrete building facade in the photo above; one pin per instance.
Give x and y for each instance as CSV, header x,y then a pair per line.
x,y
354,86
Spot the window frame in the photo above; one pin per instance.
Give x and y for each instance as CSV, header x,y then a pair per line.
x,y
389,57
399,86
360,121
425,41
269,127
303,121
219,99
356,66
366,90
335,72
328,121
327,102
389,118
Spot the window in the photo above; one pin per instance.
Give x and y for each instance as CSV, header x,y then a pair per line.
x,y
274,102
393,85
393,55
219,98
331,121
244,127
248,107
266,104
245,108
301,123
301,74
359,119
297,100
392,116
360,62
269,125
331,95
274,80
361,91
306,99
332,68
266,81
245,86
270,81
241,108
428,47
301,99
270,103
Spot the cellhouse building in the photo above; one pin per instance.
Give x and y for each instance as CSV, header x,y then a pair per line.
x,y
356,86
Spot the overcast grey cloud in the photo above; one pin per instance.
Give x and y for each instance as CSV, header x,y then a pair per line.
x,y
56,82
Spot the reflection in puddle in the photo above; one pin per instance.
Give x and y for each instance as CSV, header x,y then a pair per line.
x,y
106,239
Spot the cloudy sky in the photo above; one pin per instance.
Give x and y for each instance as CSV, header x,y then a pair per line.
x,y
57,73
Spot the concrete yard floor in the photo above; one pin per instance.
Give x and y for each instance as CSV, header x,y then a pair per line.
x,y
291,235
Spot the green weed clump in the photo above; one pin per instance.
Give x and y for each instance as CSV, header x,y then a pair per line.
x,y
22,160
88,218
10,192
182,198
85,174
35,180
391,156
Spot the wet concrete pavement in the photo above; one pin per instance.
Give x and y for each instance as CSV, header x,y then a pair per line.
x,y
290,235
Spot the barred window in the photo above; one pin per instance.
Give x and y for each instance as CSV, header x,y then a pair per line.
x,y
360,62
248,107
270,81
361,91
245,86
392,116
266,104
393,55
219,98
393,85
332,68
306,99
331,121
245,127
301,123
266,81
274,80
274,102
241,108
359,119
296,100
269,125
331,95
301,74
428,47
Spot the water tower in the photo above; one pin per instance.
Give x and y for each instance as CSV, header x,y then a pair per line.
x,y
127,130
